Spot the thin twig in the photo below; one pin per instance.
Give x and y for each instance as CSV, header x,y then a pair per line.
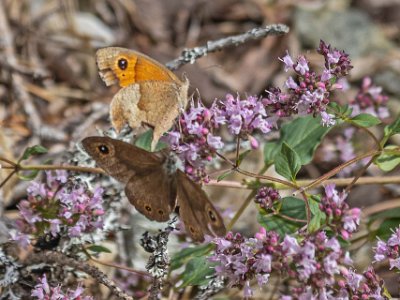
x,y
376,141
190,55
225,159
335,171
11,163
19,168
228,183
237,151
276,213
61,167
303,183
258,176
346,181
266,177
308,209
358,175
119,267
7,178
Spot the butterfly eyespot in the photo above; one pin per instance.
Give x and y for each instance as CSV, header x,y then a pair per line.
x,y
148,208
212,216
160,212
103,149
192,229
122,63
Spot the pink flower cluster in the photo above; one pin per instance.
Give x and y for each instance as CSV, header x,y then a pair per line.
x,y
194,141
389,250
343,220
371,100
356,286
43,291
313,263
243,116
58,206
309,92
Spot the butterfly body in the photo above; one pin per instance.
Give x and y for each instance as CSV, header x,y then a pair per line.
x,y
150,94
153,188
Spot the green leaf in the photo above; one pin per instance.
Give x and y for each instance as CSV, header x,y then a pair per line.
x,y
391,220
365,120
276,223
98,249
271,149
291,207
393,128
386,228
183,256
145,139
318,217
287,163
197,272
28,175
303,135
34,150
314,204
388,160
343,111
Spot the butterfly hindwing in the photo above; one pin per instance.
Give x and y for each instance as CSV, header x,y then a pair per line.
x,y
196,210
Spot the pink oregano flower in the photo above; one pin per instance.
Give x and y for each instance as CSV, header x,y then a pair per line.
x,y
56,206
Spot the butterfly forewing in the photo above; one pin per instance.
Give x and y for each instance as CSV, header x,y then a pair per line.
x,y
119,159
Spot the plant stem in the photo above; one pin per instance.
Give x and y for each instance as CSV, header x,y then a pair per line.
x,y
336,170
141,273
303,183
308,209
378,144
288,218
362,171
62,167
241,209
7,178
237,151
266,177
8,161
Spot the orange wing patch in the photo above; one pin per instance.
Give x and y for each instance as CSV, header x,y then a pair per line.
x,y
126,67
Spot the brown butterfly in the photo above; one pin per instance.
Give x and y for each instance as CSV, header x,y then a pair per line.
x,y
150,95
154,188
